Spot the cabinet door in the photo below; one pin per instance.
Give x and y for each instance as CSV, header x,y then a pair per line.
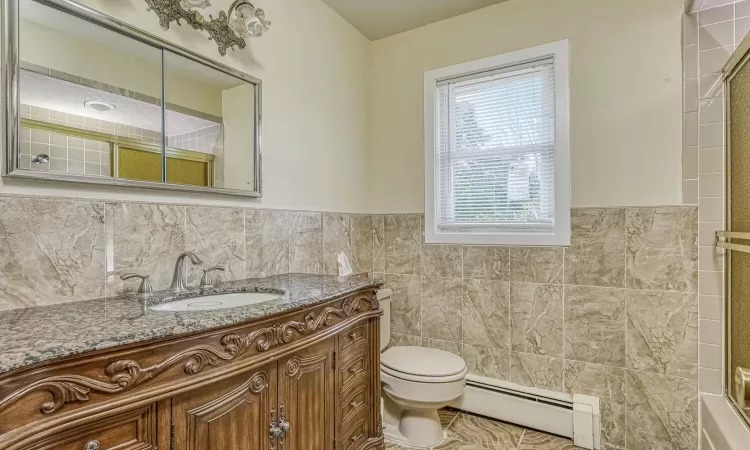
x,y
306,398
233,414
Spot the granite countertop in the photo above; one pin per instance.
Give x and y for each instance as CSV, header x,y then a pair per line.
x,y
32,335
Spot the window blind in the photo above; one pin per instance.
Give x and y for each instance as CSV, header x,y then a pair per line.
x,y
495,149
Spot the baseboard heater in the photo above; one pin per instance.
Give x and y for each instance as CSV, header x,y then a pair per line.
x,y
570,415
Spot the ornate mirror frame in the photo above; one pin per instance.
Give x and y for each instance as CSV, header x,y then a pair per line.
x,y
11,120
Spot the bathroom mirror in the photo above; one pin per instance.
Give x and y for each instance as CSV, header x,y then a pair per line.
x,y
94,100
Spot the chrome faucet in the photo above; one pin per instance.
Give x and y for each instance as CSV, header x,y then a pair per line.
x,y
178,279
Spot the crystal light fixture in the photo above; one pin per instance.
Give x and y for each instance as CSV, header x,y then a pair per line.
x,y
249,21
242,20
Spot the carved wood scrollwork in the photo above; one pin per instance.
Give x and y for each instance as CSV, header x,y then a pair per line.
x,y
64,389
277,334
292,366
126,374
258,382
296,363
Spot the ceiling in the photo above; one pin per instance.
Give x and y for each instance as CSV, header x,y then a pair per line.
x,y
58,95
377,19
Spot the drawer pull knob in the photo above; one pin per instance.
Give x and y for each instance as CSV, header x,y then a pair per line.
x,y
353,335
356,404
91,445
354,370
357,437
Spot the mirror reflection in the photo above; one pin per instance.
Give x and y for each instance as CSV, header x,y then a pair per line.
x,y
209,125
84,90
91,106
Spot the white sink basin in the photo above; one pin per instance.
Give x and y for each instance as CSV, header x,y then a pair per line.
x,y
220,301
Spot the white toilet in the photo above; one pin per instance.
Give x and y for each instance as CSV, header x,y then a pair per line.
x,y
417,381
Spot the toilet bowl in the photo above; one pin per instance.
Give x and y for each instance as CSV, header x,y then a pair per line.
x,y
417,381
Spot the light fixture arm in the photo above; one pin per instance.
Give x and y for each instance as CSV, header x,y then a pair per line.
x,y
236,4
229,30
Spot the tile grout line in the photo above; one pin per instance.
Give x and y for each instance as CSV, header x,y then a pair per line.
x,y
575,285
624,372
564,353
461,308
510,325
372,243
452,420
509,356
421,282
520,441
244,243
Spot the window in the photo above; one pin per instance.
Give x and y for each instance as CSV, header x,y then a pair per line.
x,y
496,150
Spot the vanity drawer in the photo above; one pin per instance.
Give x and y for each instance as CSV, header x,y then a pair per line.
x,y
354,405
353,340
353,372
132,430
353,437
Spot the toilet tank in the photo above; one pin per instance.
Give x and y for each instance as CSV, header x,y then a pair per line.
x,y
384,297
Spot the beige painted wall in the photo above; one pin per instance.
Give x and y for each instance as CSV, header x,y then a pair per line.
x,y
343,116
625,95
315,70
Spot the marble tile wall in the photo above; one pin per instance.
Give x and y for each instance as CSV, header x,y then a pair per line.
x,y
614,315
65,250
51,251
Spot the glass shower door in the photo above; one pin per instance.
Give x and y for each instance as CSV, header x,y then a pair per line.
x,y
736,240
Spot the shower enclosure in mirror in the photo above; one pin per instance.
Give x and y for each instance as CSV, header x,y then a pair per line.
x,y
94,100
736,237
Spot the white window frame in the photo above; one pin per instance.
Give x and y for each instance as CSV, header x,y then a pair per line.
x,y
560,235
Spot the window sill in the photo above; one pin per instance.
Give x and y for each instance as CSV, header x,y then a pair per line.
x,y
561,238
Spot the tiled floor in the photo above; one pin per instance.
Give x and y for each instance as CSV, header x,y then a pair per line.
x,y
467,432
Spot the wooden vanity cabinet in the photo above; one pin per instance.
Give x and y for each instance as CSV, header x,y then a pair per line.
x,y
313,385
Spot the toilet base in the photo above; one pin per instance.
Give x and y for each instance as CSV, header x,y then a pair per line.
x,y
412,427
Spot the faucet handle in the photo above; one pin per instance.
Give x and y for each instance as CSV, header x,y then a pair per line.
x,y
144,287
206,280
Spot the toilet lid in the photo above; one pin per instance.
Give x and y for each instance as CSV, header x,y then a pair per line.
x,y
423,361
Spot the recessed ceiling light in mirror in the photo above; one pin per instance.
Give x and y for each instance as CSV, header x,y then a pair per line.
x,y
99,106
